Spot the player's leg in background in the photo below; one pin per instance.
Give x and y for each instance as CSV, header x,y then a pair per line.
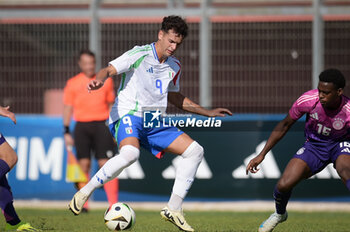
x,y
342,166
295,171
85,164
192,154
7,155
8,159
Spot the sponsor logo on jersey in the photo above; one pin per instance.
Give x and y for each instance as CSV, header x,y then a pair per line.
x,y
150,70
314,115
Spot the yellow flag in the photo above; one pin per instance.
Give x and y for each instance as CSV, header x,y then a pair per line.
x,y
74,173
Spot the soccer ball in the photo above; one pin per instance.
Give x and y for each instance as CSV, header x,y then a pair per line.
x,y
119,217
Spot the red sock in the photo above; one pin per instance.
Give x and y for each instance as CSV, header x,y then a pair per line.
x,y
86,205
111,189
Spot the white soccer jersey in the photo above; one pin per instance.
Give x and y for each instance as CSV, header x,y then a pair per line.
x,y
145,82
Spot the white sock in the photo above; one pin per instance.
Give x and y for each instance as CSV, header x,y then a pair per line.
x,y
175,202
185,174
112,168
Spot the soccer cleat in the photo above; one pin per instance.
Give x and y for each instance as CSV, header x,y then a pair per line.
x,y
177,218
272,222
22,226
77,203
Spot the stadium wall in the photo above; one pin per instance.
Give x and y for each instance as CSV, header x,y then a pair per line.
x,y
40,171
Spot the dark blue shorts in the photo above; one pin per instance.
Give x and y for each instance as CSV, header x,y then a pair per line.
x,y
2,139
154,139
318,155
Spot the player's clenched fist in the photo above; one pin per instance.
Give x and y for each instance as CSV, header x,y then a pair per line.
x,y
94,84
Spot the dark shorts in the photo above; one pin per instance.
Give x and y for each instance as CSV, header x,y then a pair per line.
x,y
93,138
155,140
2,139
318,155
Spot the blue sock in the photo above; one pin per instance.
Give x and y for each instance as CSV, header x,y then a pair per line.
x,y
281,200
4,168
11,215
6,203
348,184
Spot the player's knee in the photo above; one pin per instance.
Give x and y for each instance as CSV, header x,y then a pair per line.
x,y
10,158
130,153
194,151
283,186
344,172
14,160
11,161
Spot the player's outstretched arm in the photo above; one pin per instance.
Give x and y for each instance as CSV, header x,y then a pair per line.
x,y
278,132
186,104
101,76
4,111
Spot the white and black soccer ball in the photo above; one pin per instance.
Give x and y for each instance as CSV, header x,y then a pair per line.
x,y
119,217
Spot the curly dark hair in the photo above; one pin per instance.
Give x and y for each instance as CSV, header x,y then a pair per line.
x,y
334,76
176,23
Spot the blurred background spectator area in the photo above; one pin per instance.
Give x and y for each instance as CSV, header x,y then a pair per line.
x,y
259,63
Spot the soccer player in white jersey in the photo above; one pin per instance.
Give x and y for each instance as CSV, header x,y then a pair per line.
x,y
150,78
327,135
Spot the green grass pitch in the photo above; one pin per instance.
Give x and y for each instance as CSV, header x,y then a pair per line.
x,y
150,221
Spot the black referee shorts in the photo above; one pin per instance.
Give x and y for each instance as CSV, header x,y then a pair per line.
x,y
93,138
